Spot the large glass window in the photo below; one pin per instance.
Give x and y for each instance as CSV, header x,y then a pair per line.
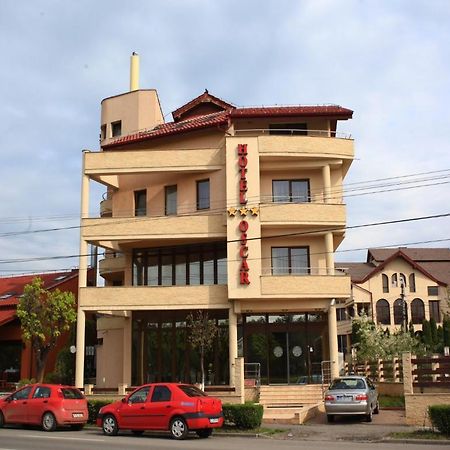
x,y
400,312
433,290
290,260
294,191
140,203
203,194
385,280
435,310
412,283
383,312
171,200
417,311
181,265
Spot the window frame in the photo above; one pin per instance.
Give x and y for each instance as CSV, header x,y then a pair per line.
x,y
166,203
383,306
412,282
433,291
385,283
140,212
116,128
200,207
400,319
290,197
417,312
289,267
435,314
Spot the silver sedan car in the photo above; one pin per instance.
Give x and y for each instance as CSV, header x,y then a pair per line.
x,y
351,395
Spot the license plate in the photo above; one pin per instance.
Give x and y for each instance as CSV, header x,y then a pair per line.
x,y
77,415
344,398
214,420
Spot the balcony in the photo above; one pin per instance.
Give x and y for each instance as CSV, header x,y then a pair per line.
x,y
146,228
275,214
110,266
317,285
153,297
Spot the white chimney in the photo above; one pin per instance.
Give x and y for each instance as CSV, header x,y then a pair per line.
x,y
134,72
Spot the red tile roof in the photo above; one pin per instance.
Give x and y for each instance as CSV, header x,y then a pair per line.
x,y
223,117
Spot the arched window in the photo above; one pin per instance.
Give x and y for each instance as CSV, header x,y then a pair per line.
x,y
385,281
383,312
394,280
402,280
412,283
417,311
400,312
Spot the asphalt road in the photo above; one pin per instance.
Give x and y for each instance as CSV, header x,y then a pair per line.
x,y
92,439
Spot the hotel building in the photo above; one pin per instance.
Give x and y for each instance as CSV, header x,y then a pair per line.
x,y
235,211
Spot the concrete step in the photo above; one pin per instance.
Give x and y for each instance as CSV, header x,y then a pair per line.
x,y
288,415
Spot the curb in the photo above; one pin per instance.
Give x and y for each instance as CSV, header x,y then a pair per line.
x,y
417,441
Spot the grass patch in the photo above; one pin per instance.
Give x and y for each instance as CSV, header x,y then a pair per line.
x,y
388,401
419,434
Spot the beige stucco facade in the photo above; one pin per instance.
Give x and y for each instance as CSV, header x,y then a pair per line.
x,y
249,231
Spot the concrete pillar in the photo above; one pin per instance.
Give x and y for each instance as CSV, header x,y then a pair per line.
x,y
82,281
407,373
240,378
329,249
126,357
134,72
332,334
232,345
326,175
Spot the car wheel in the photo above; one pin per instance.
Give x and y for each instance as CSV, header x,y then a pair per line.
x,y
137,432
48,422
369,416
2,420
109,425
377,409
77,427
178,428
204,433
330,418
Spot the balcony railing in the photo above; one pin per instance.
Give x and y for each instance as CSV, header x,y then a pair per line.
x,y
294,132
301,271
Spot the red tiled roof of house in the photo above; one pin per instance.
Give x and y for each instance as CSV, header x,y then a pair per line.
x,y
416,254
11,288
7,315
222,117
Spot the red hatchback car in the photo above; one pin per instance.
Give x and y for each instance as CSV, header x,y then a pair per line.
x,y
48,405
178,408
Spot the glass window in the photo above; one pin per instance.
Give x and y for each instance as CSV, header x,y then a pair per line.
x,y
394,280
180,268
139,396
192,391
383,312
412,283
433,290
295,129
166,269
402,280
152,269
400,312
71,393
42,392
203,194
171,200
116,128
208,268
140,203
138,269
435,310
341,314
290,260
22,394
417,311
294,191
194,268
385,281
161,394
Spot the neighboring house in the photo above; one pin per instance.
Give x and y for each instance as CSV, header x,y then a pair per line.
x,y
233,210
397,286
16,358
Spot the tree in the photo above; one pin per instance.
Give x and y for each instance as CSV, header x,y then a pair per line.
x,y
202,332
44,316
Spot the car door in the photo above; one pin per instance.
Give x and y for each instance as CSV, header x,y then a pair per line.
x,y
38,403
372,393
15,411
160,407
133,410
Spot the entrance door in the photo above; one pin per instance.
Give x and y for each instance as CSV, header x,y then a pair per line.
x,y
279,357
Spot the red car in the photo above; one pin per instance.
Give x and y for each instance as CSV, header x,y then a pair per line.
x,y
179,408
48,405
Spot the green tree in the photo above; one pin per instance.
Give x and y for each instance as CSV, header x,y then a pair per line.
x,y
427,338
202,332
446,331
434,334
44,316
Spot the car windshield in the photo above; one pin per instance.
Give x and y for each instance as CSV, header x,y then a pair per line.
x,y
71,393
347,383
192,391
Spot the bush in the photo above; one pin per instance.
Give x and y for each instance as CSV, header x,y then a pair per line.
x,y
94,407
25,381
440,417
245,416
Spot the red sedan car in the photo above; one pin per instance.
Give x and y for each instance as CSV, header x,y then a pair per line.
x,y
48,405
178,408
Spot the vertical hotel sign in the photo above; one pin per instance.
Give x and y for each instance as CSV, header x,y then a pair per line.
x,y
243,225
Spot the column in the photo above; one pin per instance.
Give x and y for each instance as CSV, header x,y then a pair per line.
x,y
329,255
232,345
332,333
126,358
82,281
326,175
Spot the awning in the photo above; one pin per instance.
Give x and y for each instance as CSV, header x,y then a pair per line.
x,y
7,315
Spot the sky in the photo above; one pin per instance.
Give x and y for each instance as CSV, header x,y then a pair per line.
x,y
386,60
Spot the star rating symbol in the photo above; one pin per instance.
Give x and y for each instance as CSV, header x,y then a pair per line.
x,y
254,210
243,211
232,211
